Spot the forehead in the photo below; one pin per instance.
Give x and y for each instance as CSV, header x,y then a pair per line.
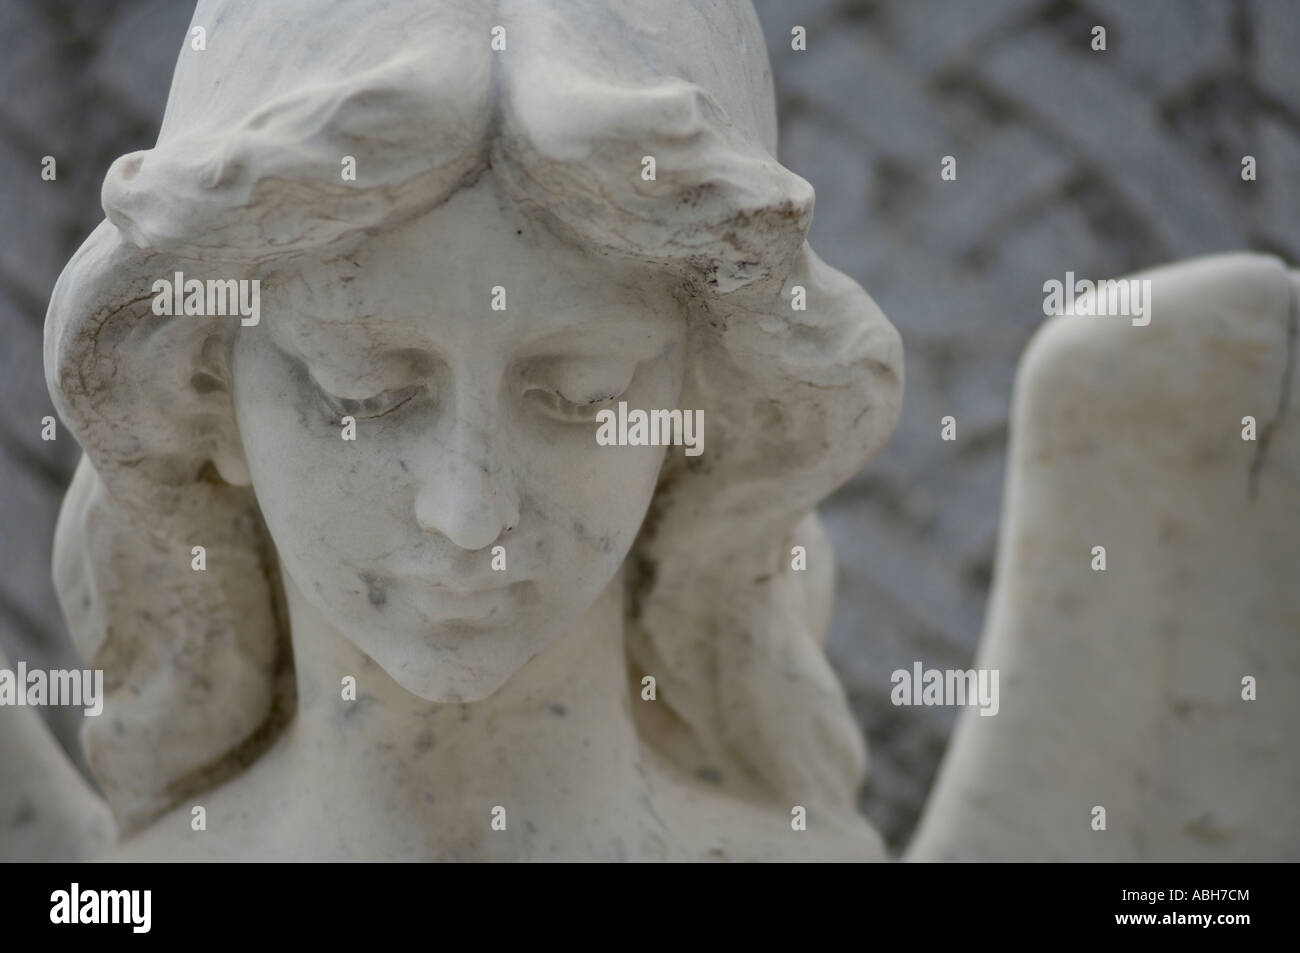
x,y
433,282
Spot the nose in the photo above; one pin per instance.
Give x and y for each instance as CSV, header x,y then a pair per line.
x,y
467,496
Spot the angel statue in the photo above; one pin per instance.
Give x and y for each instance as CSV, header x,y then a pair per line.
x,y
363,583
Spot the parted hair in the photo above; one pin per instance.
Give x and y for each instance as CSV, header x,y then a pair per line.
x,y
246,175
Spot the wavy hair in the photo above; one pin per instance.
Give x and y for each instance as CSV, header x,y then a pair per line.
x,y
246,175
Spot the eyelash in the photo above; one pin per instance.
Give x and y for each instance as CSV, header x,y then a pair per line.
x,y
553,404
370,408
561,408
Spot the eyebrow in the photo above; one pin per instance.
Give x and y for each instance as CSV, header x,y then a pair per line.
x,y
586,337
302,330
591,336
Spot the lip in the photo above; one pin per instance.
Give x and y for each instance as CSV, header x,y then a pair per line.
x,y
479,592
478,608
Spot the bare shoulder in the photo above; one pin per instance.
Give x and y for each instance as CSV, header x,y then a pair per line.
x,y
234,821
714,825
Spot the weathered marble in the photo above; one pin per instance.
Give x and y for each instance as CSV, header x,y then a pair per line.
x,y
47,811
330,562
1123,689
413,400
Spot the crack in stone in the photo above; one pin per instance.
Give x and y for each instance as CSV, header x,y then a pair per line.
x,y
1284,397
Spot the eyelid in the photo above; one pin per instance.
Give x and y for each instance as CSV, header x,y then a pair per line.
x,y
551,400
600,382
403,365
343,387
374,406
558,407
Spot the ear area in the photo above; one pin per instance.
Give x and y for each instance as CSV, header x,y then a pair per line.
x,y
212,387
231,465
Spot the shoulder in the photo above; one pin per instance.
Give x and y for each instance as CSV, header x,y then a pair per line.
x,y
48,812
241,819
714,825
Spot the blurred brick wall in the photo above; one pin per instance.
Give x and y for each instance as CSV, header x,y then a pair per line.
x,y
84,82
1097,163
1067,159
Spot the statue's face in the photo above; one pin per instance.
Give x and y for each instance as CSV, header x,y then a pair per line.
x,y
474,429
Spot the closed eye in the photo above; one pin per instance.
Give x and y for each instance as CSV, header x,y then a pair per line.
x,y
369,408
557,406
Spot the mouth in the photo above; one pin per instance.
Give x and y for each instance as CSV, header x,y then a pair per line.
x,y
470,592
479,606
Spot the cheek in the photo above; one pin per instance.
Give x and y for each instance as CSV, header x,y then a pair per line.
x,y
583,515
591,499
323,497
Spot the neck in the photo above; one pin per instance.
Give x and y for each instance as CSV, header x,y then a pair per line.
x,y
555,747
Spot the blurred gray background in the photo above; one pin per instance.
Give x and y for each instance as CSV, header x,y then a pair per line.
x,y
1067,159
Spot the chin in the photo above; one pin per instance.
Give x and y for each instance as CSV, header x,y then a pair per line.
x,y
459,663
460,688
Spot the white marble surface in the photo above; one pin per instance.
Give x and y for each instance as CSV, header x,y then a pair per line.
x,y
1011,787
1123,688
369,554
